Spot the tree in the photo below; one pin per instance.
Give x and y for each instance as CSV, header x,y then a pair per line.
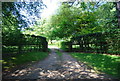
x,y
71,21
13,21
29,12
10,24
84,18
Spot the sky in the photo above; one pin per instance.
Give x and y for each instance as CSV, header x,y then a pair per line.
x,y
52,5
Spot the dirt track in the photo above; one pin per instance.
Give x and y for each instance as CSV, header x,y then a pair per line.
x,y
57,67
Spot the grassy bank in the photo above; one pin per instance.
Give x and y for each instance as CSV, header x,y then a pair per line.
x,y
106,63
23,58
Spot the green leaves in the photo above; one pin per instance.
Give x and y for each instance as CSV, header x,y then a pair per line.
x,y
83,18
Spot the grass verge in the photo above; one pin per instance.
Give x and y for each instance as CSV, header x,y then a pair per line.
x,y
23,58
109,64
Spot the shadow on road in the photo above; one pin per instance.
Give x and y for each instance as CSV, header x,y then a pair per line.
x,y
54,68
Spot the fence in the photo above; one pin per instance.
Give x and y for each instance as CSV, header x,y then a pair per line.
x,y
24,43
107,42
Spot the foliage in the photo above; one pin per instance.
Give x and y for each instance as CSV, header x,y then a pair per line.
x,y
29,12
10,24
87,18
107,21
65,46
13,21
69,21
78,19
105,63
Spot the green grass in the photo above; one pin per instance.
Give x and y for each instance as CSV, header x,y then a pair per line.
x,y
105,63
23,58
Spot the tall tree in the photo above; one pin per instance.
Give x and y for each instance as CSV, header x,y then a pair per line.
x,y
29,12
13,21
10,25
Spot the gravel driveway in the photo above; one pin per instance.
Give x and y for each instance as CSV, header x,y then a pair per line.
x,y
57,67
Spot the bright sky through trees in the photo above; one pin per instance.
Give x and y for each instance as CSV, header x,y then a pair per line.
x,y
52,5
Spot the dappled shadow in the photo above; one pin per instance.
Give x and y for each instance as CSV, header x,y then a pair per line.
x,y
104,62
68,70
54,68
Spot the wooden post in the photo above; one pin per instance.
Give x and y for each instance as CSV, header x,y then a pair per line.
x,y
45,45
70,46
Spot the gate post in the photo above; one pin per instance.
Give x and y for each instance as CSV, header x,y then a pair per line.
x,y
70,46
